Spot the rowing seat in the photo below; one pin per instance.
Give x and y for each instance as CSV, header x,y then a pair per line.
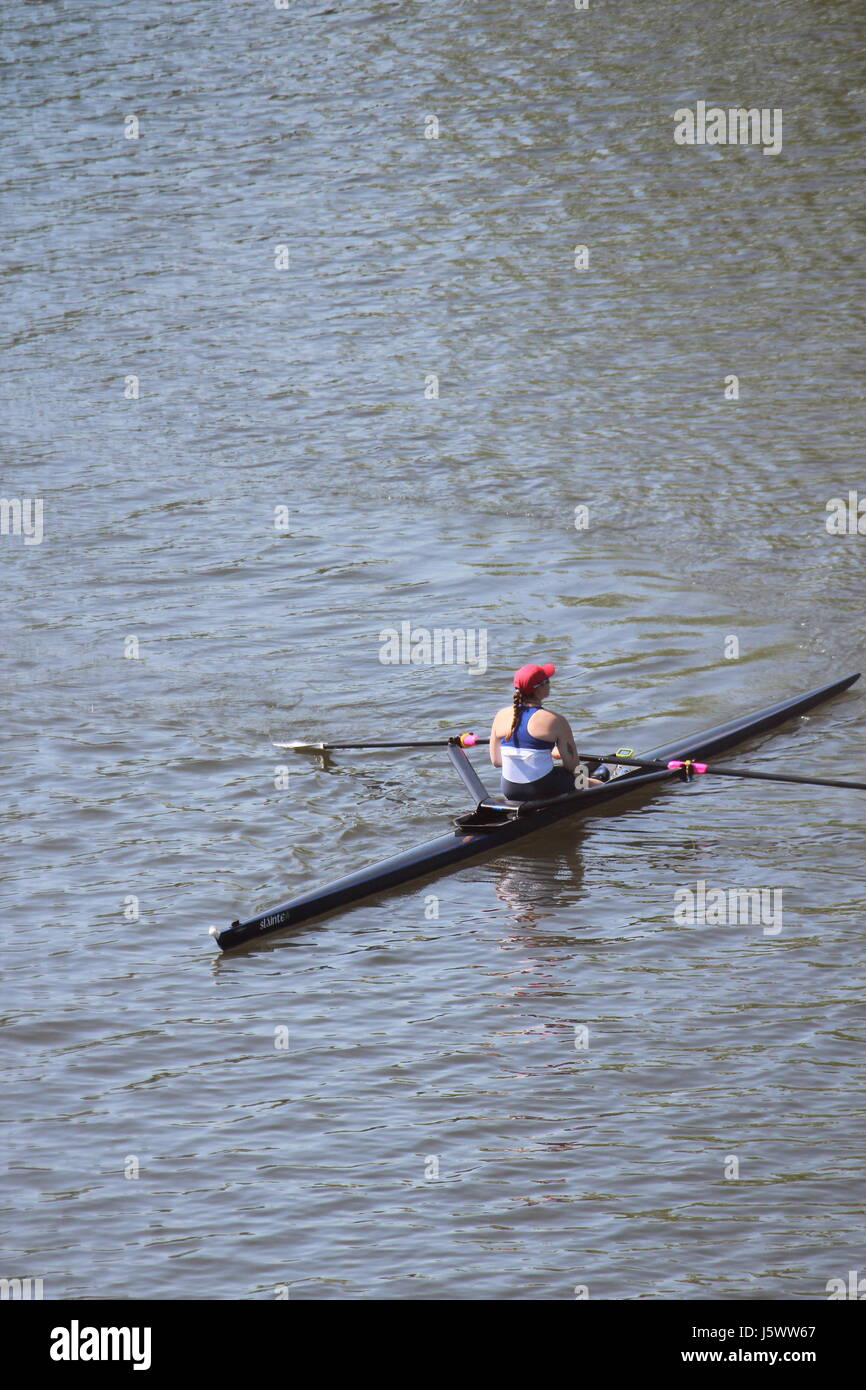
x,y
498,812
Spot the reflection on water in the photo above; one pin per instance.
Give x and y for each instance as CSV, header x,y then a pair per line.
x,y
533,887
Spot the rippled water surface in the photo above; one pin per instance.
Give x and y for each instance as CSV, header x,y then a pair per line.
x,y
394,1101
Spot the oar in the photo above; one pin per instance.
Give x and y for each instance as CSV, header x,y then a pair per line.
x,y
465,741
688,766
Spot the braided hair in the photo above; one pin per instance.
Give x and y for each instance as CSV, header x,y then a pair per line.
x,y
518,710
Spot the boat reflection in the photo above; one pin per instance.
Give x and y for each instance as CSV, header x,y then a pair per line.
x,y
535,887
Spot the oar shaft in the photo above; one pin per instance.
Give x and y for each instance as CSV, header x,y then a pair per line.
x,y
465,741
727,771
787,777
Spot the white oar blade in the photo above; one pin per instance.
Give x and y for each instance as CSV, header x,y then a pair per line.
x,y
302,747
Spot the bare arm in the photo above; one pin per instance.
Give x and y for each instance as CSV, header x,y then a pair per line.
x,y
546,724
565,744
498,732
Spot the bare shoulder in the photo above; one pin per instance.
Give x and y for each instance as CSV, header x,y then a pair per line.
x,y
546,723
502,719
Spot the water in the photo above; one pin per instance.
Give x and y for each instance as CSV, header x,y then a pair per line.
x,y
417,1040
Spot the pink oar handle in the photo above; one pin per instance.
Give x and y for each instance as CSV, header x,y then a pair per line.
x,y
468,740
696,767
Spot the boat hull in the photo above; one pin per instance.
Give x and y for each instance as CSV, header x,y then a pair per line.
x,y
452,849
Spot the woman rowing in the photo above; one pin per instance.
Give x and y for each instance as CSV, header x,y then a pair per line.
x,y
526,737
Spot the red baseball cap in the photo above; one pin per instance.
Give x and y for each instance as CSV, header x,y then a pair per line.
x,y
528,677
